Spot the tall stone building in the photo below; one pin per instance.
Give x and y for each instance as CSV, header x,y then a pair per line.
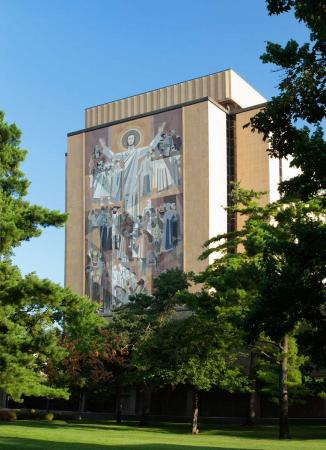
x,y
147,182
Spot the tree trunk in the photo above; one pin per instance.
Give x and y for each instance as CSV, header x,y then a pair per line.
x,y
119,404
146,406
251,415
284,397
3,399
82,401
195,409
47,404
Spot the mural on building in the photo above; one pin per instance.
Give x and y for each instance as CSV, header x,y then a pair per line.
x,y
133,186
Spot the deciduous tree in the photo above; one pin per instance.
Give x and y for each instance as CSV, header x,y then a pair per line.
x,y
136,322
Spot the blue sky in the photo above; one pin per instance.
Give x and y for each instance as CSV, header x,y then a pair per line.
x,y
61,56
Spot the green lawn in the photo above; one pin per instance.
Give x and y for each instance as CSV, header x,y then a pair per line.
x,y
58,435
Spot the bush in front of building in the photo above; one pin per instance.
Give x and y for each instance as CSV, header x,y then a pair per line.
x,y
67,415
8,416
49,416
31,414
35,414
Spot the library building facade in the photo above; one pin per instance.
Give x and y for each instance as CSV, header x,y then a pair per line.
x,y
147,182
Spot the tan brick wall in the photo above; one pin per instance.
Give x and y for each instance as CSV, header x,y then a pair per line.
x,y
195,184
75,255
252,160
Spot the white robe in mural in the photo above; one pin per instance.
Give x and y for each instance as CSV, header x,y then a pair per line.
x,y
130,180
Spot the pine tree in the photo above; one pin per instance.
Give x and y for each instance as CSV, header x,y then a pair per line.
x,y
33,312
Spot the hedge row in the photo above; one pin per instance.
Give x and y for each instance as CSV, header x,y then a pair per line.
x,y
34,414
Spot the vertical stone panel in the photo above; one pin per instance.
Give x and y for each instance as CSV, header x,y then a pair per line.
x,y
205,87
217,172
211,87
182,92
74,255
176,97
252,161
129,109
105,113
195,184
149,101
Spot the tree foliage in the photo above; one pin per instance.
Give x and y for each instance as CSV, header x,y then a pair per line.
x,y
268,371
138,320
291,122
173,339
269,280
33,312
19,220
301,99
28,335
86,347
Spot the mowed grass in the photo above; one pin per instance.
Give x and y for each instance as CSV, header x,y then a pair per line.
x,y
59,435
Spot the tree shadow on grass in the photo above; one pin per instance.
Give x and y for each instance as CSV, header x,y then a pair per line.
x,y
95,425
258,432
35,444
299,432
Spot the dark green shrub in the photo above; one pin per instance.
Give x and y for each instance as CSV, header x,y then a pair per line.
x,y
67,415
26,414
34,414
8,416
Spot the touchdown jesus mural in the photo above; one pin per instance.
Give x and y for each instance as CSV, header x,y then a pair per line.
x,y
133,186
